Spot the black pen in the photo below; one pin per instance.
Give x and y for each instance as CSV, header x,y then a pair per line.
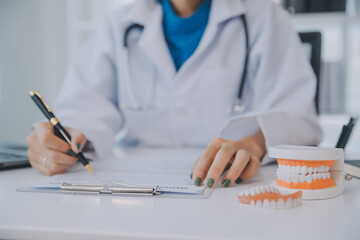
x,y
46,110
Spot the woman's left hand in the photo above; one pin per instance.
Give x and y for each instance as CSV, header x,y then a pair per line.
x,y
242,158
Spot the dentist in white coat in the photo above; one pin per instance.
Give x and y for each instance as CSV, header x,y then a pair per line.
x,y
168,73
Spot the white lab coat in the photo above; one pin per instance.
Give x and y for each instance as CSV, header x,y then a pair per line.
x,y
196,100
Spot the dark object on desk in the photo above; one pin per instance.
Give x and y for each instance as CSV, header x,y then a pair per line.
x,y
351,167
318,6
346,133
13,156
314,40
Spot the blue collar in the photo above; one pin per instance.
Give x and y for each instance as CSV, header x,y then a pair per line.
x,y
179,25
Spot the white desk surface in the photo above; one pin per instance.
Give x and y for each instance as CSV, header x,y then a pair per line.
x,y
57,216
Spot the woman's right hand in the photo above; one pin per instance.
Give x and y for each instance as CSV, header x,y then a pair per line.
x,y
48,153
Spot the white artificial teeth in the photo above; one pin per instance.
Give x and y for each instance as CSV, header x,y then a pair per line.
x,y
258,204
294,202
316,169
289,203
322,169
252,192
315,176
272,204
323,175
281,176
257,190
287,177
327,169
263,189
280,203
246,193
297,169
327,175
252,203
310,170
266,203
295,178
292,169
303,170
309,178
302,178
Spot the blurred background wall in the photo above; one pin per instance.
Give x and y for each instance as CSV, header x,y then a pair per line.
x,y
39,39
33,55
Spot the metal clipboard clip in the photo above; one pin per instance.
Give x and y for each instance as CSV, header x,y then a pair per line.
x,y
110,188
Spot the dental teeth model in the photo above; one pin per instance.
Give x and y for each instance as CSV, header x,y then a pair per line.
x,y
269,197
317,172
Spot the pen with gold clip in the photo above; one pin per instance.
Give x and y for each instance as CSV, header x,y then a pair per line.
x,y
46,110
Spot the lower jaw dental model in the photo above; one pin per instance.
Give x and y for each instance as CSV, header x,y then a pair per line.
x,y
310,172
270,197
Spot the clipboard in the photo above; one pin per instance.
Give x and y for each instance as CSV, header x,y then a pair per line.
x,y
71,184
114,188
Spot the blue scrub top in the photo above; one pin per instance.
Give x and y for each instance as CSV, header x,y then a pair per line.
x,y
183,34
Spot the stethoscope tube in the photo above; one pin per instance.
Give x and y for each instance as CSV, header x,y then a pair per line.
x,y
128,30
239,105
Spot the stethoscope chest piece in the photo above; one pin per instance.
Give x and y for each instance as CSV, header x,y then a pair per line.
x,y
238,107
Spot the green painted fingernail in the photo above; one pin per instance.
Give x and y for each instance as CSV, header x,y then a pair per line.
x,y
226,182
210,182
197,181
239,180
71,153
78,145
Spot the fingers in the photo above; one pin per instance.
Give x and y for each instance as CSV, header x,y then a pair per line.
x,y
35,164
222,155
46,137
78,140
242,158
252,167
46,165
222,158
204,162
48,153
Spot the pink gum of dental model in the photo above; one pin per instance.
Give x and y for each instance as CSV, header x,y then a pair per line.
x,y
270,197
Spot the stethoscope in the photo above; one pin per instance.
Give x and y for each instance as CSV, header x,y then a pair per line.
x,y
237,108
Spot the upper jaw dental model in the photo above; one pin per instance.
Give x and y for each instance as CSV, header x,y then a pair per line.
x,y
300,174
303,173
317,172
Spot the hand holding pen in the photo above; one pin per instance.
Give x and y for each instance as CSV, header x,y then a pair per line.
x,y
53,148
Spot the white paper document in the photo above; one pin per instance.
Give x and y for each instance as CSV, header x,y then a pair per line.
x,y
170,175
